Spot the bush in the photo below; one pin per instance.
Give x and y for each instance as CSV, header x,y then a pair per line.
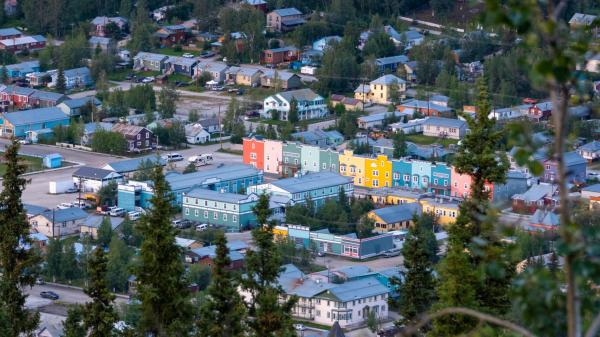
x,y
177,48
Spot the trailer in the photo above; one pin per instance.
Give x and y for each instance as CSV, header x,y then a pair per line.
x,y
65,186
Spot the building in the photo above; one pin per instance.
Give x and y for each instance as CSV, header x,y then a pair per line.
x,y
230,211
216,70
138,138
106,44
581,20
277,56
261,5
273,156
376,120
254,152
20,70
90,128
188,244
591,193
575,168
590,151
426,108
23,43
539,196
172,35
542,221
91,179
23,98
74,78
381,90
92,223
390,64
196,134
349,103
127,166
228,179
180,65
46,99
319,137
58,223
249,77
52,160
410,126
396,217
72,107
149,61
280,79
319,187
409,38
10,33
19,122
444,208
99,24
206,255
309,105
325,42
444,128
353,166
284,19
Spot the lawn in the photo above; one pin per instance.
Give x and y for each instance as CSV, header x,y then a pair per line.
x,y
33,164
427,140
119,75
178,78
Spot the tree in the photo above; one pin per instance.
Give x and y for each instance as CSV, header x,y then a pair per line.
x,y
364,228
231,116
115,103
271,316
167,101
146,169
160,269
293,113
73,326
200,275
193,116
69,268
61,84
141,33
105,232
108,142
4,75
190,168
400,149
100,316
338,69
54,259
379,45
223,312
107,194
119,256
18,265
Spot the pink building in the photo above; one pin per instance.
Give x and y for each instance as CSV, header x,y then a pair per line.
x,y
273,156
461,185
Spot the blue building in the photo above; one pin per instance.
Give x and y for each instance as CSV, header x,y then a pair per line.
x,y
127,166
229,179
19,70
440,179
401,173
388,65
231,211
53,160
19,122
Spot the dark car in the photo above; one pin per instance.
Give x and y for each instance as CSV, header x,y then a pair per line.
x,y
49,295
207,54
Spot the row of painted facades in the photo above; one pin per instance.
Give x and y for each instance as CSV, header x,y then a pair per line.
x,y
289,158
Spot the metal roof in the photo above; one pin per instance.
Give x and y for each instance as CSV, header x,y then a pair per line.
x,y
573,158
282,49
203,193
131,165
35,116
591,146
402,212
47,95
99,40
27,65
89,128
388,80
179,181
592,188
33,210
83,71
311,181
67,214
9,31
537,192
392,60
445,122
150,56
93,173
95,221
76,103
287,11
183,61
358,289
211,252
414,103
299,95
17,90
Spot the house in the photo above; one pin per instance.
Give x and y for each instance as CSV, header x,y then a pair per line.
x,y
10,33
319,186
277,56
280,79
324,42
543,220
407,39
46,99
444,128
349,103
172,35
575,168
444,208
410,68
409,127
20,70
226,179
592,64
149,61
319,137
127,166
510,113
248,77
426,108
215,69
138,138
92,223
72,107
261,5
396,217
196,134
19,122
540,111
90,128
284,19
99,24
376,120
381,90
581,20
390,64
591,193
39,79
442,101
17,96
91,179
309,105
78,77
188,244
33,210
590,151
106,44
58,223
206,255
23,43
538,196
180,65
231,211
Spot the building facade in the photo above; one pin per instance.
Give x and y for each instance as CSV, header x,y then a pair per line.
x,y
232,212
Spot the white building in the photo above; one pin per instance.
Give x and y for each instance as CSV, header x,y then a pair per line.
x,y
59,222
444,127
92,179
196,134
309,104
411,126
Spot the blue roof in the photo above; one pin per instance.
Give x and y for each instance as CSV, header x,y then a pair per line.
x,y
311,181
27,66
392,60
397,213
414,103
35,116
47,95
378,116
573,158
9,31
593,146
179,181
282,49
53,156
96,40
348,272
92,127
150,56
288,11
445,122
293,282
95,221
83,71
131,165
358,289
592,188
34,209
76,103
211,252
67,214
203,193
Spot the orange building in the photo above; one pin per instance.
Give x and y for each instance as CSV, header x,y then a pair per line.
x,y
254,152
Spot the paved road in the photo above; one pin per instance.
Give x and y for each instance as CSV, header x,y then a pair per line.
x,y
67,295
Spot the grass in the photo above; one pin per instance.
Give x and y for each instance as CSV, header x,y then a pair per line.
x,y
192,88
231,151
427,140
178,78
33,164
119,75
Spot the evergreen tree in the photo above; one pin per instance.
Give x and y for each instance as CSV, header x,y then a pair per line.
x,y
271,316
167,102
100,316
118,264
73,326
190,168
105,232
400,145
54,257
61,84
69,267
293,113
343,200
223,312
161,285
4,75
417,293
18,265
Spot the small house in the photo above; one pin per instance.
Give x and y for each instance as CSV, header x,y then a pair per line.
x,y
284,19
381,90
91,179
138,138
53,160
23,43
20,70
10,33
106,44
426,108
324,42
99,24
392,218
277,56
280,79
211,125
349,103
248,77
444,128
538,196
57,223
45,99
172,35
149,61
74,78
180,65
72,107
196,134
575,168
90,128
92,224
309,104
216,70
590,151
390,64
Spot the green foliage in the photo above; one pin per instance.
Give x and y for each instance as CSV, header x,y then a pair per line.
x,y
379,45
115,104
142,38
172,135
364,228
54,259
119,260
68,134
200,275
107,194
141,97
346,124
73,326
99,315
146,169
18,265
168,97
338,69
105,232
69,268
108,142
61,84
190,168
400,149
193,116
4,74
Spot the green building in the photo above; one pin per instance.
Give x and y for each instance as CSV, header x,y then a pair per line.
x,y
329,160
232,212
291,159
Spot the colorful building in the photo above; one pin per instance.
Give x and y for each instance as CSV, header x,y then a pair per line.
x,y
378,172
353,166
254,152
273,152
441,176
231,211
310,158
291,159
445,209
329,160
395,217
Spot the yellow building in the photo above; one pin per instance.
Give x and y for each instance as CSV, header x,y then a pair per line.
x,y
380,90
445,209
280,233
393,218
378,172
353,166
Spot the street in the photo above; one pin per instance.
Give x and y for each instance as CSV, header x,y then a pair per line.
x,y
67,295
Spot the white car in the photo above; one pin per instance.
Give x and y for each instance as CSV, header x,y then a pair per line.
x,y
299,327
133,215
117,212
188,55
173,157
149,79
202,227
65,205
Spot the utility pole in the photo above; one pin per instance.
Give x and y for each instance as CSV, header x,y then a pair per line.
x,y
220,127
52,223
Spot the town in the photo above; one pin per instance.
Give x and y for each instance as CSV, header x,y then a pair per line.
x,y
299,168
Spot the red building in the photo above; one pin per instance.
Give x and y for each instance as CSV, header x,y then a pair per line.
x,y
540,196
254,151
261,5
15,45
540,111
172,35
138,138
280,55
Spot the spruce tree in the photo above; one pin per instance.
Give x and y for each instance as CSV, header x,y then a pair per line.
x,y
4,75
61,83
18,265
99,314
160,274
293,113
73,326
417,293
223,312
270,314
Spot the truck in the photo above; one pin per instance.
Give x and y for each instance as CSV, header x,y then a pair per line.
x,y
65,186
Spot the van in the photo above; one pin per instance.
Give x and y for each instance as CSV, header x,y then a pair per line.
x,y
117,212
171,157
133,215
202,227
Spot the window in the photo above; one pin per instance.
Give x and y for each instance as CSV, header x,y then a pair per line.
x,y
396,175
147,135
547,167
415,179
215,215
425,180
139,136
196,212
253,155
324,166
387,174
206,214
224,217
267,157
375,173
406,178
375,183
234,218
466,186
187,211
435,181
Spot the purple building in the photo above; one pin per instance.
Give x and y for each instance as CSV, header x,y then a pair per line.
x,y
575,166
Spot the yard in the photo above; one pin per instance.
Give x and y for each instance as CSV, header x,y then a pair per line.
x,y
33,164
427,140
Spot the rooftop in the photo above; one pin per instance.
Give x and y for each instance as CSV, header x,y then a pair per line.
x,y
76,103
445,122
234,198
414,104
287,11
311,181
92,173
95,221
67,214
391,60
180,181
537,192
35,116
9,32
300,95
388,80
358,289
131,165
398,213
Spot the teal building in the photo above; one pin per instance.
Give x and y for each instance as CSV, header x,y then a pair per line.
x,y
232,212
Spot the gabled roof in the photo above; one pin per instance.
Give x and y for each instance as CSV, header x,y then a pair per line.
x,y
593,146
363,88
90,128
150,57
287,11
47,95
16,90
573,158
131,165
391,60
67,214
582,19
281,75
211,252
245,71
192,130
336,330
33,210
182,61
213,66
311,181
537,192
77,103
418,104
592,188
388,80
300,95
544,217
282,49
35,116
95,221
127,130
102,20
26,66
398,213
83,71
445,122
358,289
92,173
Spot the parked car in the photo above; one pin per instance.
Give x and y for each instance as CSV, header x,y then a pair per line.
x,y
24,141
81,204
299,327
184,223
49,295
117,212
170,157
202,227
218,88
392,253
102,210
188,55
207,54
72,190
176,223
148,79
133,215
65,205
